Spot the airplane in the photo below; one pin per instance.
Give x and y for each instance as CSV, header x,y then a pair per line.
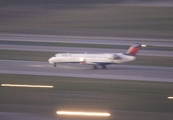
x,y
97,59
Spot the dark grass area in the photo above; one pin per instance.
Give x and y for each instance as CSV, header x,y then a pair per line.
x,y
25,55
153,61
44,56
78,93
87,20
61,44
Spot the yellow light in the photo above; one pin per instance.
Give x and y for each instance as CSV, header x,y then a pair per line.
x,y
170,98
83,113
17,85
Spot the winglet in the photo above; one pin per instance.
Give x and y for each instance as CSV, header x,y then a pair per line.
x,y
133,49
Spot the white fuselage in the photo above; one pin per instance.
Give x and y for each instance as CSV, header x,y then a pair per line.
x,y
96,59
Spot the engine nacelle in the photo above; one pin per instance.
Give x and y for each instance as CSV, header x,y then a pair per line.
x,y
81,60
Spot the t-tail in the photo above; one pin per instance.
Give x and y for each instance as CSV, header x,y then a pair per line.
x,y
133,49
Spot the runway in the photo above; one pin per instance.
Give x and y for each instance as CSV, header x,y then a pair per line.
x,y
114,72
41,104
24,116
125,72
120,114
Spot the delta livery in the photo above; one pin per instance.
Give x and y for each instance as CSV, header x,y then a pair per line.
x,y
97,59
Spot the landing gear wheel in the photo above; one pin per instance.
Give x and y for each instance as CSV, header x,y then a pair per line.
x,y
54,64
94,67
103,67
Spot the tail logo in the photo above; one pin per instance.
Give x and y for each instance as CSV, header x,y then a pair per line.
x,y
133,49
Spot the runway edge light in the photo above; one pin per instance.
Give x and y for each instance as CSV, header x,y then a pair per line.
x,y
20,85
170,98
83,113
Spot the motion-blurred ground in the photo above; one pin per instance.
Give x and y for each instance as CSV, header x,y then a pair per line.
x,y
125,100
88,18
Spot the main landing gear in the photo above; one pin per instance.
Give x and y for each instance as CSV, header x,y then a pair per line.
x,y
94,67
103,67
54,64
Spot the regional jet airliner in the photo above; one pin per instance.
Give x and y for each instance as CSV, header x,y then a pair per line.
x,y
96,59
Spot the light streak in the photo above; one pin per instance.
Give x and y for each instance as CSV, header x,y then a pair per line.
x,y
171,98
83,113
34,86
143,45
36,65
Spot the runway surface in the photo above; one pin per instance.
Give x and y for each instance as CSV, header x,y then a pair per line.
x,y
124,115
27,111
23,116
123,72
89,40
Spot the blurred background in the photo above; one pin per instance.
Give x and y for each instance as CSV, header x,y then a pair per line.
x,y
31,31
134,18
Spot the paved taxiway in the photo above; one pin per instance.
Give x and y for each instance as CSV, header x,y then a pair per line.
x,y
124,115
23,116
126,72
88,40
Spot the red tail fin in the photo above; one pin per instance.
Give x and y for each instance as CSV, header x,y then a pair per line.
x,y
133,49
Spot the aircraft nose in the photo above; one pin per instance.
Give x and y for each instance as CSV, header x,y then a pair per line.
x,y
50,60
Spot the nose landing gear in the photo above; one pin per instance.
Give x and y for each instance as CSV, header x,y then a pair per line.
x,y
54,64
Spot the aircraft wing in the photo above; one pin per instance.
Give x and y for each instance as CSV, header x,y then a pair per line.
x,y
98,63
